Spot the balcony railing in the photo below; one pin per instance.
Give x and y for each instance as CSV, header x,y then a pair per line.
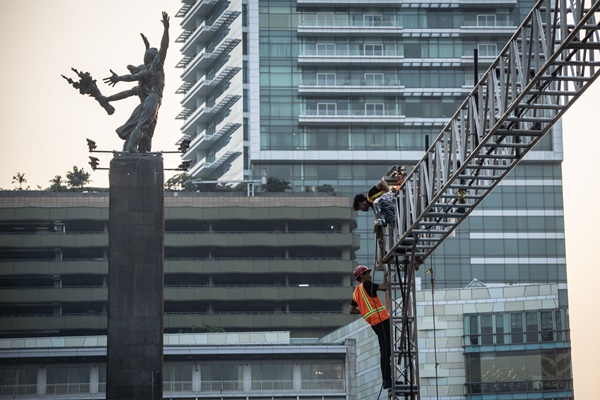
x,y
350,82
67,388
177,386
346,23
352,113
14,391
323,384
277,386
351,53
221,386
520,386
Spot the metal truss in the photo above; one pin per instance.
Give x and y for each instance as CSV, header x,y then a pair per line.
x,y
547,64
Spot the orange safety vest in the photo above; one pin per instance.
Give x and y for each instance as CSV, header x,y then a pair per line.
x,y
370,307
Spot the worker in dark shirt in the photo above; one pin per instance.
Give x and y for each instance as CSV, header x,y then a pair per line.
x,y
365,302
364,203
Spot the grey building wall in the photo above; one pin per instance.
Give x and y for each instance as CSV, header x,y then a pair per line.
x,y
231,261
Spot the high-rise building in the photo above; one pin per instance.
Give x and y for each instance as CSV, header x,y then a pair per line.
x,y
337,91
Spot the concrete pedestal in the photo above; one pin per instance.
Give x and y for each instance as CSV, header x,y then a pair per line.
x,y
136,271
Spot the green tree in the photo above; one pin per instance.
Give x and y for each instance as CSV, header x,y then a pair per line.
x,y
77,178
19,178
212,328
277,185
326,189
181,182
57,184
185,183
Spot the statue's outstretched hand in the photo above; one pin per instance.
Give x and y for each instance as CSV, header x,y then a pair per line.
x,y
113,79
165,20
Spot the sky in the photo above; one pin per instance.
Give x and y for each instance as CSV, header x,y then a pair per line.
x,y
45,122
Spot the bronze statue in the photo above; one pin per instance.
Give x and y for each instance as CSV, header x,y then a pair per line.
x,y
139,128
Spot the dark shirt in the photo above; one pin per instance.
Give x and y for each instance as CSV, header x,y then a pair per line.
x,y
374,193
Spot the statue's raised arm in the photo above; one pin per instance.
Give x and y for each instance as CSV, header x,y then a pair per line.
x,y
164,43
138,130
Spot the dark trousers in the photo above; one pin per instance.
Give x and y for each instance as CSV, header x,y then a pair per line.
x,y
382,330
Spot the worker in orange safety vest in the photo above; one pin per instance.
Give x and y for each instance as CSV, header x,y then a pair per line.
x,y
365,302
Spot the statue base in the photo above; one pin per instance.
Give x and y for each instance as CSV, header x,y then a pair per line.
x,y
136,277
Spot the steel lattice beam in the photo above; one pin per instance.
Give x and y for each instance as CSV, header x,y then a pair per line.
x,y
547,64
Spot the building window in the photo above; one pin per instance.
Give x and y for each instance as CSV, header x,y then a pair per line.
x,y
177,378
272,377
532,327
67,380
210,157
518,371
372,49
499,328
221,377
515,328
374,109
210,20
326,108
325,49
325,19
487,50
18,381
210,47
373,20
486,20
374,79
210,130
326,79
546,325
486,329
322,376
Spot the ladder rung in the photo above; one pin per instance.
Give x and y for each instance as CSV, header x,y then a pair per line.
x,y
408,251
553,92
577,63
519,132
450,205
484,177
439,223
406,389
545,106
583,45
428,231
566,78
497,156
425,239
463,186
447,214
488,167
442,215
452,196
508,145
529,119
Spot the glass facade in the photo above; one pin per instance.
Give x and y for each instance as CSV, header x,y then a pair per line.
x,y
338,92
520,371
208,380
527,327
523,353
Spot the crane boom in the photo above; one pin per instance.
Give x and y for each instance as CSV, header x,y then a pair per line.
x,y
544,68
